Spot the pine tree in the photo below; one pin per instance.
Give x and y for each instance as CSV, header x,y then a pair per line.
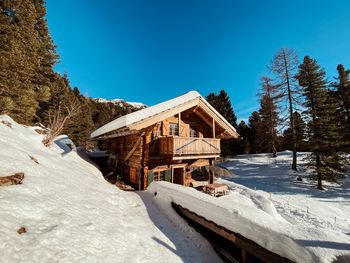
x,y
323,133
221,102
341,93
255,135
46,56
268,116
22,59
244,132
284,65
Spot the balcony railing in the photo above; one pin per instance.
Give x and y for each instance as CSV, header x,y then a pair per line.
x,y
178,146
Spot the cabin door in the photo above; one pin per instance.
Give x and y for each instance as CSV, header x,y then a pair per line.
x,y
179,175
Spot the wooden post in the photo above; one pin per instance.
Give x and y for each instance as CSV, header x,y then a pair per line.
x,y
213,128
211,173
244,256
179,123
183,175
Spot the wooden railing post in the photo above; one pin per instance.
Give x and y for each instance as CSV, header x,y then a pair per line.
x,y
179,124
211,173
213,128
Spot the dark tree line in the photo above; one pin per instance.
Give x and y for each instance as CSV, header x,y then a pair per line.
x,y
30,90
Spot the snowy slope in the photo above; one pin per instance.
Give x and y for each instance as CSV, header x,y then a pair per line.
x,y
71,214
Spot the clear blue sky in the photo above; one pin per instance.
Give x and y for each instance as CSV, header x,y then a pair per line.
x,y
150,51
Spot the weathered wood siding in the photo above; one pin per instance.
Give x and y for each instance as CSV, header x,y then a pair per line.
x,y
188,146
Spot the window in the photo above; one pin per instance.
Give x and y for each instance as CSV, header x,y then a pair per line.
x,y
159,176
193,132
173,128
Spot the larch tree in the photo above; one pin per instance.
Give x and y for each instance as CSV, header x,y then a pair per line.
x,y
284,66
323,126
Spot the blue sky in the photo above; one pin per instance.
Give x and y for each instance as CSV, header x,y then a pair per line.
x,y
150,51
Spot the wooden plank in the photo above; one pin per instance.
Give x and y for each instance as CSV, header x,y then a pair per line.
x,y
188,157
179,123
219,119
134,148
239,241
213,128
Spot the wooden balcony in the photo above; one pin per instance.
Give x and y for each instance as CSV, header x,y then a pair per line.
x,y
184,147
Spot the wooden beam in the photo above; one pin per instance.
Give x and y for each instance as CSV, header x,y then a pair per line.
x,y
116,134
195,157
163,115
211,173
218,118
134,148
179,123
213,128
200,115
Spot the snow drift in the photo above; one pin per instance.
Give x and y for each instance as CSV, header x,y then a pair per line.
x,y
71,214
252,215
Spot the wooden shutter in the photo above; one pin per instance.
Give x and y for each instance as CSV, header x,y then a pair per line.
x,y
168,175
150,177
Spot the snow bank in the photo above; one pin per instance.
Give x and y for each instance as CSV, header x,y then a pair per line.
x,y
253,216
71,214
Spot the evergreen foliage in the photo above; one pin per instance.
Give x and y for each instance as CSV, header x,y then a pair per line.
x,y
268,117
323,127
255,136
221,102
341,93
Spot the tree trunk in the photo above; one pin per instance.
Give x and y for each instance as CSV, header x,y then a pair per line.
x,y
319,174
291,117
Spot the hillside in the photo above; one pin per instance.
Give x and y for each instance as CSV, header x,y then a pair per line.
x,y
71,214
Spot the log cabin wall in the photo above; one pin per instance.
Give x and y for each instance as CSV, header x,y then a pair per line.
x,y
188,119
127,152
137,156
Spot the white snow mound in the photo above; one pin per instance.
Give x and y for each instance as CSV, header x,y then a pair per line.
x,y
71,214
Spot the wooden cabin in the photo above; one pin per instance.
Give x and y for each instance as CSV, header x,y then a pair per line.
x,y
168,141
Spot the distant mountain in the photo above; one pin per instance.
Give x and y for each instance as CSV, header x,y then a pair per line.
x,y
121,103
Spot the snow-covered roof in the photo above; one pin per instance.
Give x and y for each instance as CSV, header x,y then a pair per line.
x,y
147,113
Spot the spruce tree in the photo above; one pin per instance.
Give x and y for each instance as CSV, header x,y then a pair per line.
x,y
221,102
243,131
323,133
256,133
268,116
341,93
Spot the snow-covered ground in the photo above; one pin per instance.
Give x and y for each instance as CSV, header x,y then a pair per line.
x,y
71,214
299,203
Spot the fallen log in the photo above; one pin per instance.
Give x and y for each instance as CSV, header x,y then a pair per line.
x,y
12,179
